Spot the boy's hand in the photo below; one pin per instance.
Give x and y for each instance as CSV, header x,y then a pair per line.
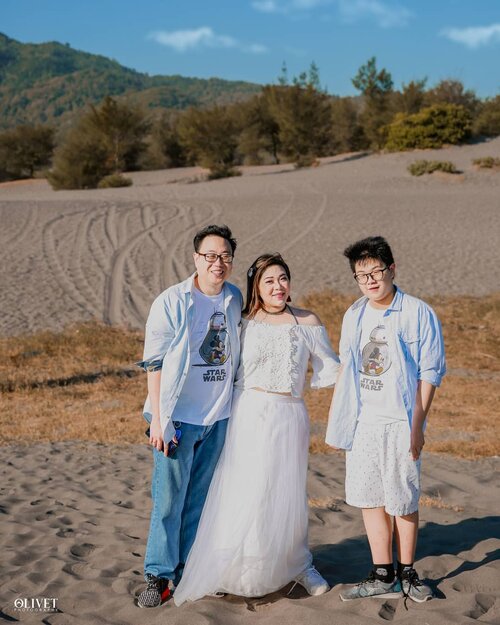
x,y
417,441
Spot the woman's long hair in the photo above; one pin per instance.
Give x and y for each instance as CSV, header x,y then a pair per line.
x,y
254,274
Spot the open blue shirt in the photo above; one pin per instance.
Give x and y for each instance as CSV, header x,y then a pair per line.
x,y
415,344
166,345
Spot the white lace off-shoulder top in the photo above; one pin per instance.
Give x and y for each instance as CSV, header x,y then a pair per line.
x,y
275,357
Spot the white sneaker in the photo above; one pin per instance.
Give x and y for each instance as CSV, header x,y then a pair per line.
x,y
312,581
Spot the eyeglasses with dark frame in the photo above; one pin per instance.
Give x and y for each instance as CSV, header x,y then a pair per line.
x,y
211,257
376,274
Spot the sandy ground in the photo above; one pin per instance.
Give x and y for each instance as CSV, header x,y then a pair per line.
x,y
74,255
75,520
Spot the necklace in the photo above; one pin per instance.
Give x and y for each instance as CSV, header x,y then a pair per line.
x,y
279,312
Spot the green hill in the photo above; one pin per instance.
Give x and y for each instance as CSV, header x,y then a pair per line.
x,y
51,82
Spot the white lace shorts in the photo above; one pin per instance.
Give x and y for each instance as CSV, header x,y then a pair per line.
x,y
380,471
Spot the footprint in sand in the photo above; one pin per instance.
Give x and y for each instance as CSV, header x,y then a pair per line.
x,y
483,604
80,551
124,504
387,611
80,570
124,586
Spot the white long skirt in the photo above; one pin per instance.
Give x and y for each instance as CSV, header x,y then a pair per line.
x,y
252,536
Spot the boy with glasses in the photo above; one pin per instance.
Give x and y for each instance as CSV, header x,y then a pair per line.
x,y
191,353
392,355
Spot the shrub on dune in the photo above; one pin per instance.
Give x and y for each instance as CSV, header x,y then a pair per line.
x,y
487,162
418,168
487,123
114,181
432,127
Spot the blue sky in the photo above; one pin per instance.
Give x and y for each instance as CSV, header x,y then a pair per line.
x,y
250,39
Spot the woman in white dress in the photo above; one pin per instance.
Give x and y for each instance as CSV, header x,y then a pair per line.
x,y
252,536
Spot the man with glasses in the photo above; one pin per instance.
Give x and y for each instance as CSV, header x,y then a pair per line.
x,y
392,355
191,354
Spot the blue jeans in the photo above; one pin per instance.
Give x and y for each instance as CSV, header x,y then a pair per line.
x,y
179,488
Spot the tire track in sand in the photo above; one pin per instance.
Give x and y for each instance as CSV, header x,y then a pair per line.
x,y
116,279
51,256
281,215
25,229
312,224
137,295
77,261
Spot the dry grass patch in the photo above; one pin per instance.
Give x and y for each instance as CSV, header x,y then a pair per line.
x,y
326,503
81,384
80,352
429,501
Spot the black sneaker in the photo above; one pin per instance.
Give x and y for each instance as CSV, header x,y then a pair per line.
x,y
156,593
413,588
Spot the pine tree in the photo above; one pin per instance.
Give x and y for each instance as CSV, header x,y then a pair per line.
x,y
210,137
24,150
376,87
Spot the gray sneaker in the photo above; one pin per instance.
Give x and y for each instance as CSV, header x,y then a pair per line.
x,y
373,587
413,588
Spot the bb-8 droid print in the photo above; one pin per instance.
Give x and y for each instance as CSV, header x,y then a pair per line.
x,y
375,358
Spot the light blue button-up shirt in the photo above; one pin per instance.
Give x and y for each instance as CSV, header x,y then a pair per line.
x,y
415,344
166,345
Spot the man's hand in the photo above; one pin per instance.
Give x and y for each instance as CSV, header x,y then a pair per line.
x,y
417,441
156,435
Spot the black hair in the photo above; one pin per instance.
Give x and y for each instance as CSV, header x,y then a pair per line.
x,y
217,231
254,274
375,248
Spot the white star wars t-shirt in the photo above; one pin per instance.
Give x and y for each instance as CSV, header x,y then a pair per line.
x,y
381,400
210,368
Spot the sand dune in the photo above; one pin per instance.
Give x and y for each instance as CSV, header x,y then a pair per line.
x,y
74,255
75,519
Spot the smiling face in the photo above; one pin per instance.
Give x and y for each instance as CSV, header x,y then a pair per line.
x,y
380,292
212,275
274,288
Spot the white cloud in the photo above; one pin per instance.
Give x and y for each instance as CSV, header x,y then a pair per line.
x,y
308,4
474,36
255,48
287,6
203,37
266,6
386,16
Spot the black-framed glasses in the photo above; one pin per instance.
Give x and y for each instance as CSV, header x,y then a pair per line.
x,y
376,274
212,257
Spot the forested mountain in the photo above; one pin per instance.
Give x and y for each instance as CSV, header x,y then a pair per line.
x,y
50,82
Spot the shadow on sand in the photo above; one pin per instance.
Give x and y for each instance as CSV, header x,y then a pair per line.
x,y
348,562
